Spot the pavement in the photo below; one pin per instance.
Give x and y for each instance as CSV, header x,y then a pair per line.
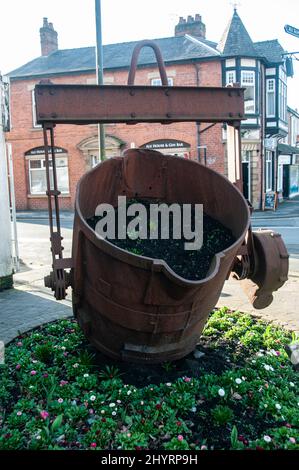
x,y
30,304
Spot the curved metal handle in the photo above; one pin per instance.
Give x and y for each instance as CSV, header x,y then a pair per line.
x,y
159,58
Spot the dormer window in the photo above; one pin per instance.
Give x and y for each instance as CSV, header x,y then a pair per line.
x,y
248,82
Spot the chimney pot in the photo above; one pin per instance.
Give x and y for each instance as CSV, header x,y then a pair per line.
x,y
193,26
48,38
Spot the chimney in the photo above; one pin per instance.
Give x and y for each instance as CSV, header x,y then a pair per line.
x,y
193,26
48,38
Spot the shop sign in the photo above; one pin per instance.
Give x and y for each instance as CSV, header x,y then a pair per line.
x,y
41,151
284,159
165,145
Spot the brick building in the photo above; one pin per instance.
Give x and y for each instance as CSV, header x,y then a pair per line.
x,y
191,60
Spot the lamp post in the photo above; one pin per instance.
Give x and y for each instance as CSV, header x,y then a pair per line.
x,y
100,74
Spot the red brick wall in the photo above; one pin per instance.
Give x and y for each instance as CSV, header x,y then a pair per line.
x,y
24,137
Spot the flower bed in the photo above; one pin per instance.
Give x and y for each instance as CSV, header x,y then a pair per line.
x,y
238,391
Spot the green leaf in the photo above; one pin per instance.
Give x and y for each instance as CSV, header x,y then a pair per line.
x,y
56,423
234,437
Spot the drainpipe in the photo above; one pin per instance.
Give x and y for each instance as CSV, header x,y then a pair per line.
x,y
6,268
198,140
263,123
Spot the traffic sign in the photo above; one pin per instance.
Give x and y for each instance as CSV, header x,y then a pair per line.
x,y
291,30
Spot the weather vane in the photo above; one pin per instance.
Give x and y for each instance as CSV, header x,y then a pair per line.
x,y
235,5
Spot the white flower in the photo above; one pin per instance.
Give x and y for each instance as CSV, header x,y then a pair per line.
x,y
168,384
238,381
60,400
278,406
292,384
142,403
93,397
266,366
102,412
76,365
194,409
221,392
118,401
86,375
38,437
129,392
243,378
112,405
19,413
267,439
113,413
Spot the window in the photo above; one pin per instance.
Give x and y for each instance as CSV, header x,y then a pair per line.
x,y
230,77
282,100
271,97
248,82
37,175
34,111
158,82
269,171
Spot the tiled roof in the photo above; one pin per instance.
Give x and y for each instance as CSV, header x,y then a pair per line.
x,y
271,50
236,40
174,49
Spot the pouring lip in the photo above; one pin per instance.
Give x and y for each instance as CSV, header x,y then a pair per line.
x,y
156,264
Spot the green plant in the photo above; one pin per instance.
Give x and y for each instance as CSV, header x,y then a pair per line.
x,y
110,372
44,353
222,414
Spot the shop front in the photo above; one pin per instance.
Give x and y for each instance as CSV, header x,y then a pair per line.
x,y
288,171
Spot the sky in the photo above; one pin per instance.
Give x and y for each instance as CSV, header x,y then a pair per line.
x,y
129,20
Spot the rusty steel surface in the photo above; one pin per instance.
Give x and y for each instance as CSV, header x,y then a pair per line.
x,y
159,58
90,104
270,268
136,308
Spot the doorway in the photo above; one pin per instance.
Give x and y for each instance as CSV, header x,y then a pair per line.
x,y
246,158
286,181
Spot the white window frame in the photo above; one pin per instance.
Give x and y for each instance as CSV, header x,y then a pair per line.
x,y
158,81
230,74
282,100
269,171
270,92
247,158
245,84
34,118
42,161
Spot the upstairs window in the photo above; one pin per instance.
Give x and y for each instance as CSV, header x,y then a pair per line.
x,y
34,123
282,101
271,97
269,171
158,82
248,82
230,77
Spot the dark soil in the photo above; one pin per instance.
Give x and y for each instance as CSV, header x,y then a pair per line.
x,y
189,264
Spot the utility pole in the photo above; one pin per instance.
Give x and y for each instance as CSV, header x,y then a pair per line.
x,y
6,267
100,74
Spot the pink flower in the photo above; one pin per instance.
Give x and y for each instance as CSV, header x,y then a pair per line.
x,y
33,372
93,445
19,343
187,379
44,414
65,354
63,382
60,400
180,437
203,448
292,440
91,411
45,375
19,413
18,366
